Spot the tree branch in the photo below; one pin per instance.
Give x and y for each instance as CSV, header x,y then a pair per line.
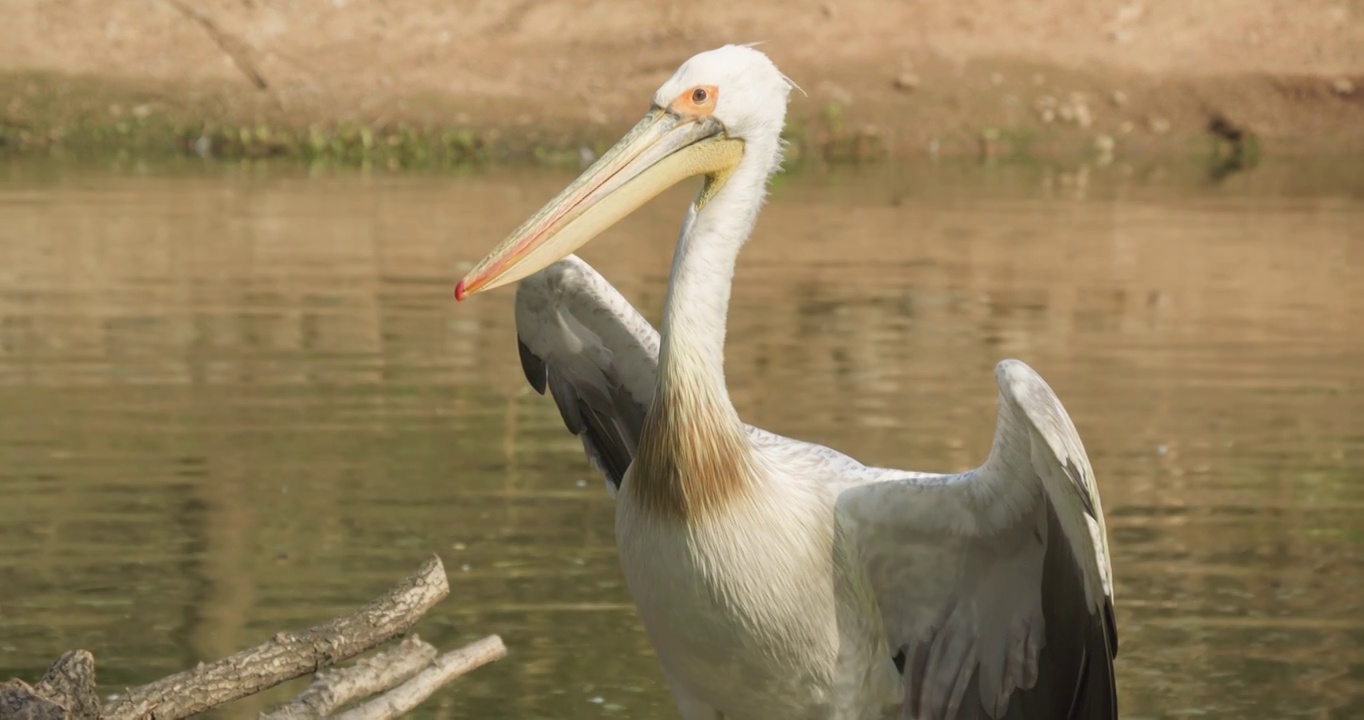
x,y
287,655
340,687
67,690
235,49
410,694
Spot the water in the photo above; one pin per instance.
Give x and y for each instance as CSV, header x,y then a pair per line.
x,y
238,399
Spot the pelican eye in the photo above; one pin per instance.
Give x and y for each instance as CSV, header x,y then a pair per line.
x,y
698,101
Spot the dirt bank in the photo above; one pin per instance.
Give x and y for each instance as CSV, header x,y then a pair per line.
x,y
951,76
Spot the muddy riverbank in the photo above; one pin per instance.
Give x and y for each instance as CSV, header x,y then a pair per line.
x,y
429,82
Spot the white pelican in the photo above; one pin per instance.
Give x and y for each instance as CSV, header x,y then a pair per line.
x,y
776,578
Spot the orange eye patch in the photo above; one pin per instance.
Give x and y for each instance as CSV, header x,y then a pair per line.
x,y
696,102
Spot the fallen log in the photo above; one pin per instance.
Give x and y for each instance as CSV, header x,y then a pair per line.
x,y
397,680
333,689
445,668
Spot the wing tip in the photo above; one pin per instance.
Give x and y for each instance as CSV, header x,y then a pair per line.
x,y
533,367
1012,371
1023,389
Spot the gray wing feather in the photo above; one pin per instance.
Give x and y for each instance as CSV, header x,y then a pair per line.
x,y
995,584
597,356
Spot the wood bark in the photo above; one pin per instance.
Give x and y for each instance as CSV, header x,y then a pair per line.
x,y
401,677
67,690
337,688
410,694
287,655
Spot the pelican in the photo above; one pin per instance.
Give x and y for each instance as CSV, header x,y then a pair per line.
x,y
778,578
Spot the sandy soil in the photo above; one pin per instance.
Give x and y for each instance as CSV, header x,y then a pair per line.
x,y
909,75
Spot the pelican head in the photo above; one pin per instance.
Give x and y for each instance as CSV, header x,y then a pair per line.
x,y
721,108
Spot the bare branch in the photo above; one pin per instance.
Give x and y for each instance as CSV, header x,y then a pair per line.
x,y
411,693
340,687
288,655
235,48
71,680
67,690
18,701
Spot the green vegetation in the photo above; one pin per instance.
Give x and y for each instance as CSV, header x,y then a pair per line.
x,y
86,120
82,119
394,147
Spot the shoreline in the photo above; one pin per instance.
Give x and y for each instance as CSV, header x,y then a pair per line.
x,y
100,116
548,82
96,117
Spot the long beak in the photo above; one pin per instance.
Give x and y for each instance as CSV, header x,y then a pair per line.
x,y
662,150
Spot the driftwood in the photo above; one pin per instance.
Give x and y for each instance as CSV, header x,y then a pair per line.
x,y
401,678
332,689
66,690
410,694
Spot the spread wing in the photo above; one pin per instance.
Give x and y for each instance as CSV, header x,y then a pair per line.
x,y
994,586
597,355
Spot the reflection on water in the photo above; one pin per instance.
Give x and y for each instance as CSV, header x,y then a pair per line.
x,y
235,400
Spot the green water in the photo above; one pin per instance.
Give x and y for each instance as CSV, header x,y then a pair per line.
x,y
239,398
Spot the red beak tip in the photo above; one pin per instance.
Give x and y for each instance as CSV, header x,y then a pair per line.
x,y
459,291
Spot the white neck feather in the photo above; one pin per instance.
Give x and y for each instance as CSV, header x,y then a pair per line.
x,y
692,356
